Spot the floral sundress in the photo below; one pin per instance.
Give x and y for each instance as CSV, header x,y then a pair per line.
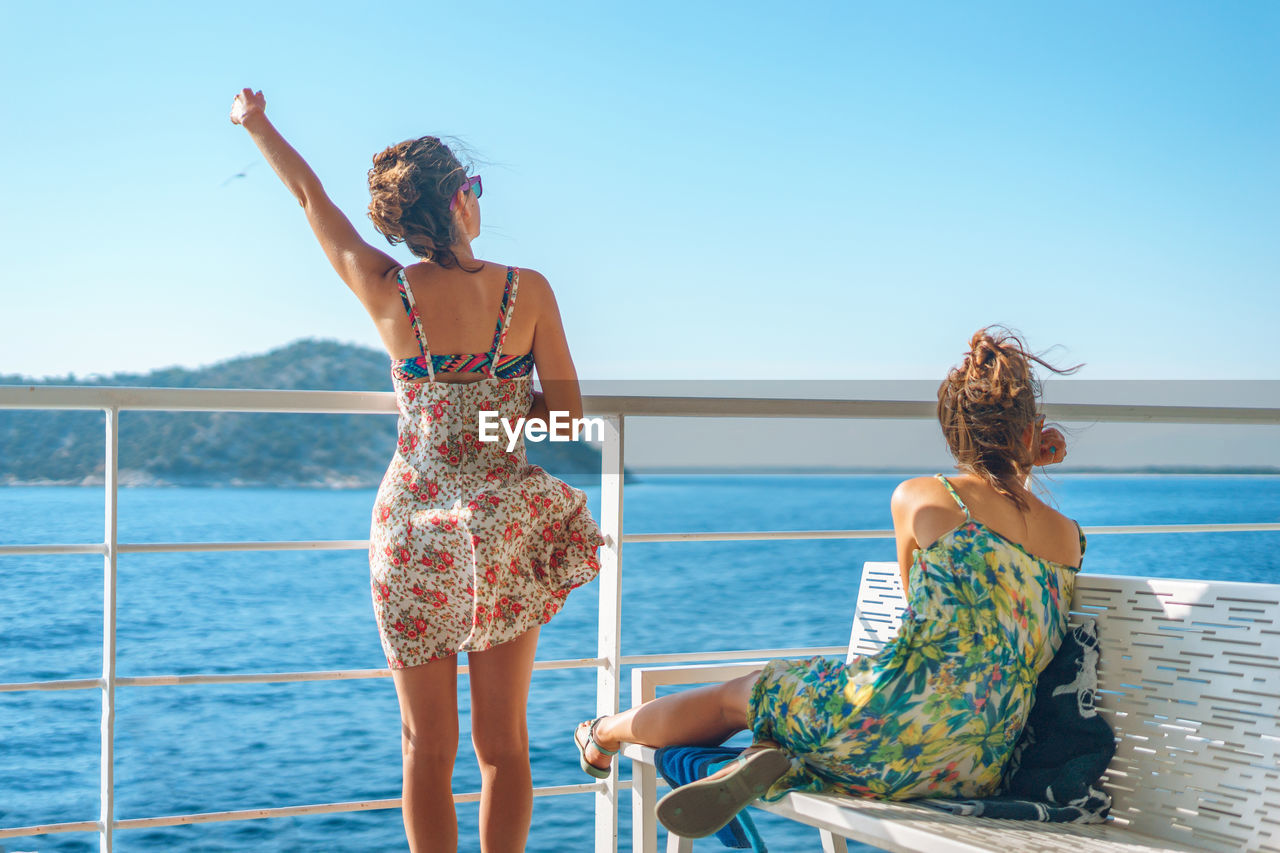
x,y
938,710
470,546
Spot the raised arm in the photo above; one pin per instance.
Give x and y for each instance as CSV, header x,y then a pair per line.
x,y
364,268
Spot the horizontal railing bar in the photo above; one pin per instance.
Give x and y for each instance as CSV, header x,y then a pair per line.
x,y
317,675
196,399
383,402
299,545
73,684
284,811
29,550
748,654
757,535
50,828
689,536
758,407
177,680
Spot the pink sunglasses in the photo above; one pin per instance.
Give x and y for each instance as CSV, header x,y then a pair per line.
x,y
472,183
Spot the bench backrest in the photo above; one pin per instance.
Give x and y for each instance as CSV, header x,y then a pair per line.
x,y
1189,679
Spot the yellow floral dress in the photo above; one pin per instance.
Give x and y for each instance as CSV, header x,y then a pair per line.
x,y
937,711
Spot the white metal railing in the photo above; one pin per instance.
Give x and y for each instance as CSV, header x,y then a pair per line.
x,y
609,657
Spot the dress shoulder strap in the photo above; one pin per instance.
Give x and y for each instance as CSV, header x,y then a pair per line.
x,y
505,311
952,491
1083,541
406,299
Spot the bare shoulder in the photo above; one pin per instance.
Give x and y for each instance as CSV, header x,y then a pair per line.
x,y
533,282
1063,530
918,492
536,297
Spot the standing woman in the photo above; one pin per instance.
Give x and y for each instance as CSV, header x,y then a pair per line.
x,y
471,548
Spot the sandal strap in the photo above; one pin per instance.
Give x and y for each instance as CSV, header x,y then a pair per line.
x,y
591,736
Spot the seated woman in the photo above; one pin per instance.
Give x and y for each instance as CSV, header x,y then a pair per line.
x,y
988,570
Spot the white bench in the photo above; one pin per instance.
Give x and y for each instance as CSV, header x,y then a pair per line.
x,y
1189,679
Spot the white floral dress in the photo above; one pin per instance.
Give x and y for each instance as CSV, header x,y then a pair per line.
x,y
470,546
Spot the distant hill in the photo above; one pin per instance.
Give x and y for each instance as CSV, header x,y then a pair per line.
x,y
235,449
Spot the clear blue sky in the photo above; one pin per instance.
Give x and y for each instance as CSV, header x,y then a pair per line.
x,y
715,190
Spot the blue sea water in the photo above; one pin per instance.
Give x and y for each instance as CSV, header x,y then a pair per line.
x,y
190,749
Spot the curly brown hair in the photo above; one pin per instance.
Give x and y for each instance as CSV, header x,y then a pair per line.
x,y
985,406
410,186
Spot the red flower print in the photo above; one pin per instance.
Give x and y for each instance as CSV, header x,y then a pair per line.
x,y
446,558
440,597
417,590
412,635
454,460
400,627
473,506
438,410
404,555
515,607
384,512
575,536
443,448
495,500
386,592
475,540
420,625
547,534
433,488
490,575
413,442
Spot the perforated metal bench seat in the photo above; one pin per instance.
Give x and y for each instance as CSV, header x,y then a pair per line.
x,y
1189,679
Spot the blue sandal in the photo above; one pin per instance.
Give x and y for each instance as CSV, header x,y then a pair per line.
x,y
587,767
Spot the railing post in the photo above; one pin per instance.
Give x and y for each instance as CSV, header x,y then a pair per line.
x,y
609,645
106,815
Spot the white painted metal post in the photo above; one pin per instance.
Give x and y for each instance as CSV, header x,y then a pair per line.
x,y
644,783
106,815
609,645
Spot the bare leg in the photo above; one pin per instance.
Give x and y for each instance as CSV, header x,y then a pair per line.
x,y
428,697
499,696
702,716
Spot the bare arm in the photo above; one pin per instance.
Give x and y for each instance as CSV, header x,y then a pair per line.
x,y
556,373
902,506
363,268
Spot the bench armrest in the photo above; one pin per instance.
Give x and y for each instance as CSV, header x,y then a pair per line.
x,y
646,680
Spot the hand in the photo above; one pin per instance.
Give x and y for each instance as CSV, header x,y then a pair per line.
x,y
1053,447
247,106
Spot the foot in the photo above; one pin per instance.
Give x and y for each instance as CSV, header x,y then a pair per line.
x,y
595,757
702,807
